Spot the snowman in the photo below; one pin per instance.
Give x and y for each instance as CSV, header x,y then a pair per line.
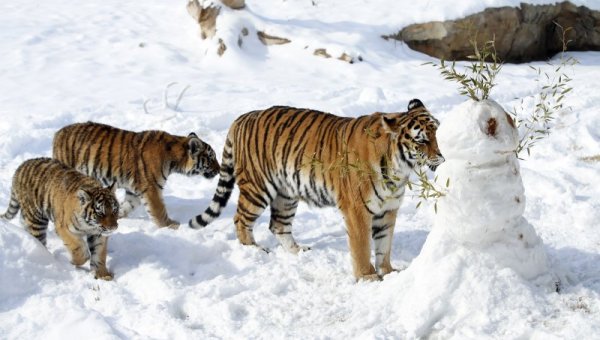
x,y
483,208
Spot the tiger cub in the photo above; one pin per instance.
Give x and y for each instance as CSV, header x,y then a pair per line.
x,y
138,162
83,212
281,155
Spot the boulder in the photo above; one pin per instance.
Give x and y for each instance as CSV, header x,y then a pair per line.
x,y
268,39
234,4
521,34
321,52
206,17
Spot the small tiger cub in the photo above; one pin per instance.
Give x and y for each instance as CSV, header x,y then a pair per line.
x,y
84,213
138,162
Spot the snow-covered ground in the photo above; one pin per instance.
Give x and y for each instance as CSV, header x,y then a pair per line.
x,y
63,62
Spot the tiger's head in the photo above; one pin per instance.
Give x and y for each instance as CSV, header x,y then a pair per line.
x,y
414,132
99,210
201,158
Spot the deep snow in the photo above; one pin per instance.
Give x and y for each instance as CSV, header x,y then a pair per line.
x,y
102,60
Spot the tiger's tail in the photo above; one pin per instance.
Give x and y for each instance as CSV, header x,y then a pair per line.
x,y
223,192
13,208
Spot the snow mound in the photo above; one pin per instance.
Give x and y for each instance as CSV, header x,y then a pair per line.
x,y
455,291
24,263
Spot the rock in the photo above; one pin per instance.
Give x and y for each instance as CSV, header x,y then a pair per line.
x,y
222,47
205,17
521,34
234,4
243,33
193,7
267,39
591,159
321,52
347,58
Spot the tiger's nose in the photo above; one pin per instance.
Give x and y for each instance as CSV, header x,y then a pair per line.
x,y
440,159
109,224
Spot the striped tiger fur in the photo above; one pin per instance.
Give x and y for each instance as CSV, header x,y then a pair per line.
x,y
281,155
138,162
84,213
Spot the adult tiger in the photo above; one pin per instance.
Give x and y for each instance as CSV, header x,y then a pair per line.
x,y
281,155
84,213
138,162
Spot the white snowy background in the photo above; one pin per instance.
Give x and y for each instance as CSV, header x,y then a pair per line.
x,y
63,62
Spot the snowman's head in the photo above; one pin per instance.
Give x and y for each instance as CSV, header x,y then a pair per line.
x,y
414,132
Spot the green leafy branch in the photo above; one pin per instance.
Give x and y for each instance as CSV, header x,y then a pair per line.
x,y
477,79
425,188
554,86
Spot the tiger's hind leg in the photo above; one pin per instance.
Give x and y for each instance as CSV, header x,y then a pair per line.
x,y
36,225
283,210
98,246
382,232
155,207
250,207
129,204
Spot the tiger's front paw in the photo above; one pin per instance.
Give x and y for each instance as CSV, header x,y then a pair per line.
x,y
369,278
172,224
80,255
384,270
103,274
366,272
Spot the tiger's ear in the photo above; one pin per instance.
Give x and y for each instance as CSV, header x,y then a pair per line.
x,y
83,196
112,187
390,122
415,103
193,135
195,146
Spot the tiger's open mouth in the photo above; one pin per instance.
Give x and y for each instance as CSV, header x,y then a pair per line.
x,y
433,165
206,173
105,231
210,173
